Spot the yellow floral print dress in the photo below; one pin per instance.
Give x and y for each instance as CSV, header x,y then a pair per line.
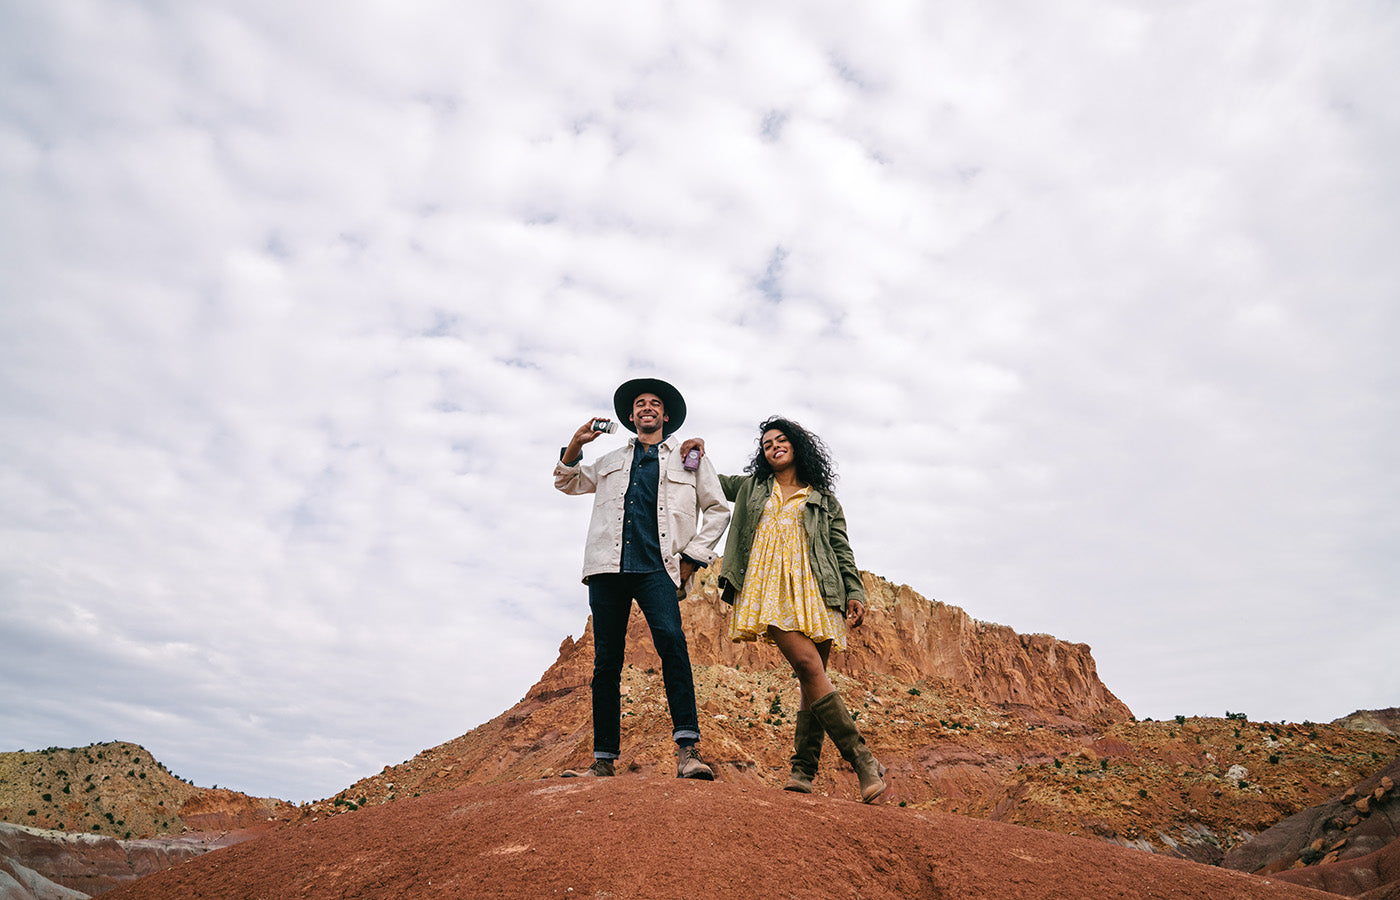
x,y
779,587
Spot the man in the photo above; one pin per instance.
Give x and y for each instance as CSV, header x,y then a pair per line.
x,y
643,545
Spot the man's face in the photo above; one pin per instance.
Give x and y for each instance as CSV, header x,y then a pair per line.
x,y
648,413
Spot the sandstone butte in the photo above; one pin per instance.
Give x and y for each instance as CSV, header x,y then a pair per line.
x,y
1014,772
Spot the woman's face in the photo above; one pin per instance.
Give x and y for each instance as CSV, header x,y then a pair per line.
x,y
777,450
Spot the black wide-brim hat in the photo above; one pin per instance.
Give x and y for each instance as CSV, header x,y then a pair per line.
x,y
671,399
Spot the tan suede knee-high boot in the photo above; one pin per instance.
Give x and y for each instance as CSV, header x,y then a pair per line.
x,y
807,742
831,712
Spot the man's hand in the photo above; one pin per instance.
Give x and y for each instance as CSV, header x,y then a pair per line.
x,y
584,435
855,612
693,444
687,569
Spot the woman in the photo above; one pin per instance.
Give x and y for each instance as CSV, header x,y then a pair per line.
x,y
791,576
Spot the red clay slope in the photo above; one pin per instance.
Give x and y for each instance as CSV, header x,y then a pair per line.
x,y
638,838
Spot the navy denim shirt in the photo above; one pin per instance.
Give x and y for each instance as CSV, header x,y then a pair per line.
x,y
641,547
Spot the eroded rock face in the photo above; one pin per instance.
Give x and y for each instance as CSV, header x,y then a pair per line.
x,y
905,636
1382,721
55,865
216,809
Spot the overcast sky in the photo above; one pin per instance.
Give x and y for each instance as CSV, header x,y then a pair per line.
x,y
1096,304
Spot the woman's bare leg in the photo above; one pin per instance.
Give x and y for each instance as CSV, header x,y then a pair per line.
x,y
808,661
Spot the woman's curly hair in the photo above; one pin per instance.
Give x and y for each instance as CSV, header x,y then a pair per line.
x,y
814,465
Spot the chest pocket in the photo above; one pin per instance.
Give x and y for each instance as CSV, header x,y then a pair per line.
x,y
680,496
612,478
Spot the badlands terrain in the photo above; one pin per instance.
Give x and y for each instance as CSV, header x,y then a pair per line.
x,y
1013,769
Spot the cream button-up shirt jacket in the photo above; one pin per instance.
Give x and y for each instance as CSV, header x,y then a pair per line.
x,y
691,512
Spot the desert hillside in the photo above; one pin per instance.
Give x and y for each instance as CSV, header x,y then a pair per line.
x,y
970,717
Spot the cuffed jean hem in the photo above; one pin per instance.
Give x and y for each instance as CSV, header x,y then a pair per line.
x,y
686,735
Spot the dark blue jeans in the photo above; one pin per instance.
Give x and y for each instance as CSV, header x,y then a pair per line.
x,y
610,598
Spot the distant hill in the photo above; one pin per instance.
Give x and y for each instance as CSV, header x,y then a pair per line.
x,y
117,789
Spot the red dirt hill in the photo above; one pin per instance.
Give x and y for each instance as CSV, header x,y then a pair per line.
x,y
650,837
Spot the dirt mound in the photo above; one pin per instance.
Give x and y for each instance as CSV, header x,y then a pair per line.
x,y
638,837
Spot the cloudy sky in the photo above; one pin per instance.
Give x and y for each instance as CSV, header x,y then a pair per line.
x,y
1096,305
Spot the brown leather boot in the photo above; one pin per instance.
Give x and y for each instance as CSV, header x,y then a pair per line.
x,y
807,742
836,720
690,765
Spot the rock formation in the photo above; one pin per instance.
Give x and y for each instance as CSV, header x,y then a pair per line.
x,y
913,639
1383,721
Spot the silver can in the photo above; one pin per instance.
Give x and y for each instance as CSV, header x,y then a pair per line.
x,y
605,425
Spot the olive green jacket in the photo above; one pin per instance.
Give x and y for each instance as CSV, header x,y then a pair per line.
x,y
833,562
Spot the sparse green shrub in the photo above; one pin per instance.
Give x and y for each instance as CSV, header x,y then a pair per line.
x,y
914,692
1273,759
1239,716
1142,792
1181,720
